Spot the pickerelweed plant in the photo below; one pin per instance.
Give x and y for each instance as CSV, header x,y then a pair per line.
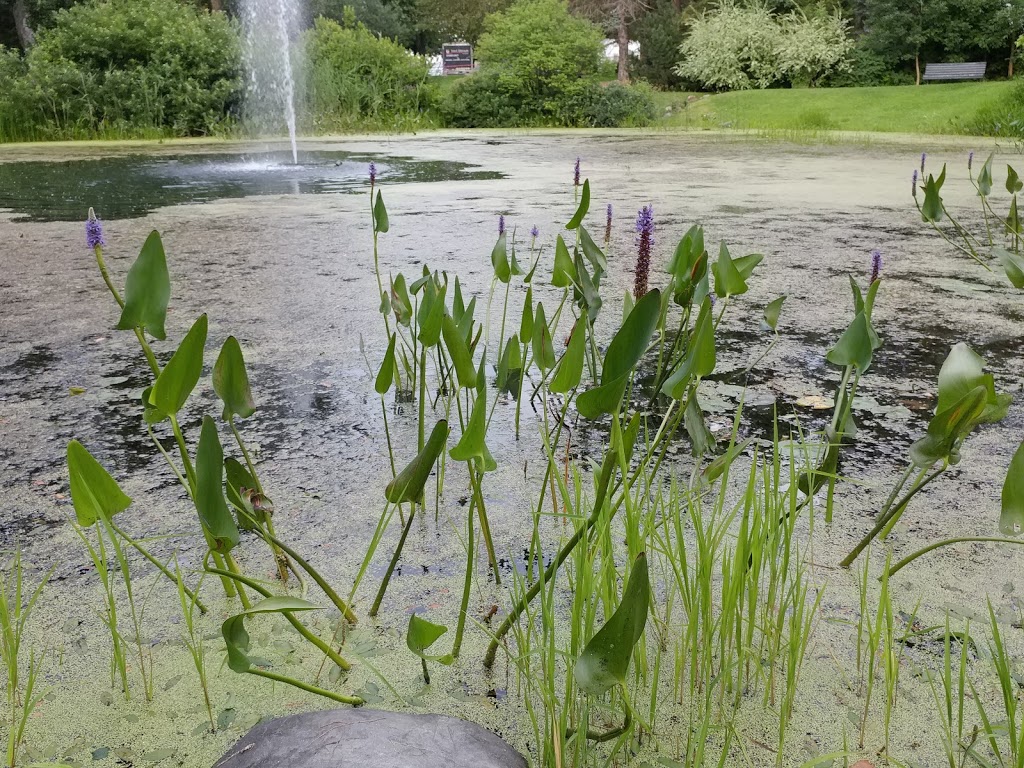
x,y
226,494
671,585
967,396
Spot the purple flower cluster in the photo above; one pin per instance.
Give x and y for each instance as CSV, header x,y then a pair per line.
x,y
576,173
534,233
608,225
876,265
373,174
501,225
644,244
94,231
924,156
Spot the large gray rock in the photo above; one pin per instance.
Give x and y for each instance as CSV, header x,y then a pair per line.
x,y
367,738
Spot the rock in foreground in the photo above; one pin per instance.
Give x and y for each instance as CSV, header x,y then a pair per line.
x,y
365,738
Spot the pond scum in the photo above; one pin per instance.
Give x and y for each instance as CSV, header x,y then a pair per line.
x,y
669,623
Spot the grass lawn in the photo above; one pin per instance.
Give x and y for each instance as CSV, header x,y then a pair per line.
x,y
928,109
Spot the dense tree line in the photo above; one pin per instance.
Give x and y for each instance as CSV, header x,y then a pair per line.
x,y
890,39
85,68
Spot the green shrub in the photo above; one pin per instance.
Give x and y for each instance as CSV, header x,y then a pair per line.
x,y
617,106
16,122
1004,118
538,66
129,67
484,101
867,68
357,79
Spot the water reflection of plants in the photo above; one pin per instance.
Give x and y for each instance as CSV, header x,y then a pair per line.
x,y
690,587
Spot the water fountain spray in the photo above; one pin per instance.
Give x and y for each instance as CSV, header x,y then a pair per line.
x,y
271,33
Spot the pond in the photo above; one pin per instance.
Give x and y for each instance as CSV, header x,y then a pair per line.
x,y
282,258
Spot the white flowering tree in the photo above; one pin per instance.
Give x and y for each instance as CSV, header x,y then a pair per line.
x,y
736,47
815,46
732,48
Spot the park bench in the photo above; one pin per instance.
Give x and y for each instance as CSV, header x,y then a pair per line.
x,y
968,70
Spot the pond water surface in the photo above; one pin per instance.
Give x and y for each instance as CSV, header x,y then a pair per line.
x,y
281,257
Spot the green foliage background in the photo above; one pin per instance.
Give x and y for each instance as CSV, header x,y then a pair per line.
x,y
357,80
539,65
124,67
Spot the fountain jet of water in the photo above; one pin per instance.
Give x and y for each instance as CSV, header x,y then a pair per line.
x,y
271,31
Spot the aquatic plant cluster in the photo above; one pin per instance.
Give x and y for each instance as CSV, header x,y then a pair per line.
x,y
678,600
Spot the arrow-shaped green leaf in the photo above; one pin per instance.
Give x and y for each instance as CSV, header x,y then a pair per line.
x,y
94,493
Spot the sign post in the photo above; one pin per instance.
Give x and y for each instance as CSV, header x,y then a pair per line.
x,y
457,58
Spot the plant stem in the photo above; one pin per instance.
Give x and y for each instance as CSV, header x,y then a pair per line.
x,y
333,596
945,543
98,250
160,566
233,567
355,701
485,528
467,586
607,470
279,557
892,516
299,626
394,562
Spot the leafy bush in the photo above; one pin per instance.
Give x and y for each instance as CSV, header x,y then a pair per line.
x,y
738,47
126,67
539,65
15,120
867,68
1004,117
618,106
358,79
484,101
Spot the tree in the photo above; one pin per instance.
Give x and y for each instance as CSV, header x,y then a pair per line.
x,y
26,36
388,19
732,48
538,66
616,17
458,19
737,47
900,31
540,42
815,46
660,33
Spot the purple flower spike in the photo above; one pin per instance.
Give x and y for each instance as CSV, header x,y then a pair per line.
x,y
970,161
876,265
924,156
373,174
534,233
576,173
644,243
608,225
913,184
94,231
501,225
